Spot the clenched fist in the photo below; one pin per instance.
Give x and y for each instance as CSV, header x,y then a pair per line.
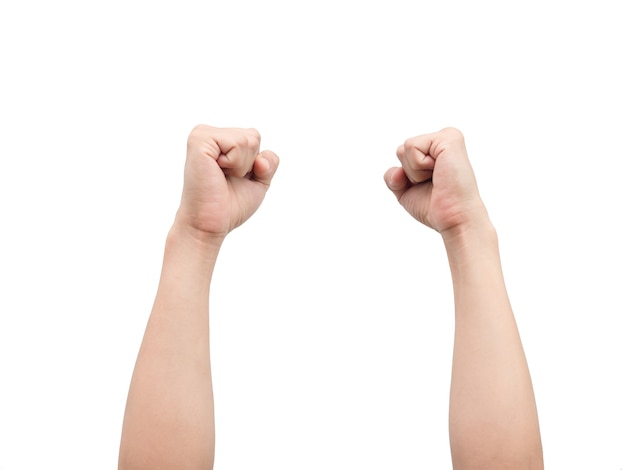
x,y
226,179
436,184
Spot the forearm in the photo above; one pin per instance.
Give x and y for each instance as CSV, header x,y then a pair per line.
x,y
169,421
493,417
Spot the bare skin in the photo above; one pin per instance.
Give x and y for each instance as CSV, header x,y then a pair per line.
x,y
169,419
493,417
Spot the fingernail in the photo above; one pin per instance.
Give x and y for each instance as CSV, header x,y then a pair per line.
x,y
269,164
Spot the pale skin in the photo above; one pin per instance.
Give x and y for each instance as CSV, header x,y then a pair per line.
x,y
169,420
493,417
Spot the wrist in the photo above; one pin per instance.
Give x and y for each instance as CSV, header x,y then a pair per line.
x,y
188,263
202,242
475,237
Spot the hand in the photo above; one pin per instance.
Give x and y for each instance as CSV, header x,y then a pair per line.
x,y
436,184
226,179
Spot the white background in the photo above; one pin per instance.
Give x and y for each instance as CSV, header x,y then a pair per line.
x,y
332,314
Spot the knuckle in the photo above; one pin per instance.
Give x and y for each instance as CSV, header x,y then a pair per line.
x,y
255,135
196,134
410,146
254,139
453,134
400,151
199,129
241,140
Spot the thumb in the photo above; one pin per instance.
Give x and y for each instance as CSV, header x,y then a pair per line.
x,y
396,180
264,167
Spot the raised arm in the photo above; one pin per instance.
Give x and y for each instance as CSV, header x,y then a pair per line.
x,y
493,416
169,421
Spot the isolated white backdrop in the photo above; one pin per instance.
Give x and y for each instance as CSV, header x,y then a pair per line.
x,y
331,308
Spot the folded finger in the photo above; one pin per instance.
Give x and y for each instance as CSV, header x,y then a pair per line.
x,y
417,166
239,149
